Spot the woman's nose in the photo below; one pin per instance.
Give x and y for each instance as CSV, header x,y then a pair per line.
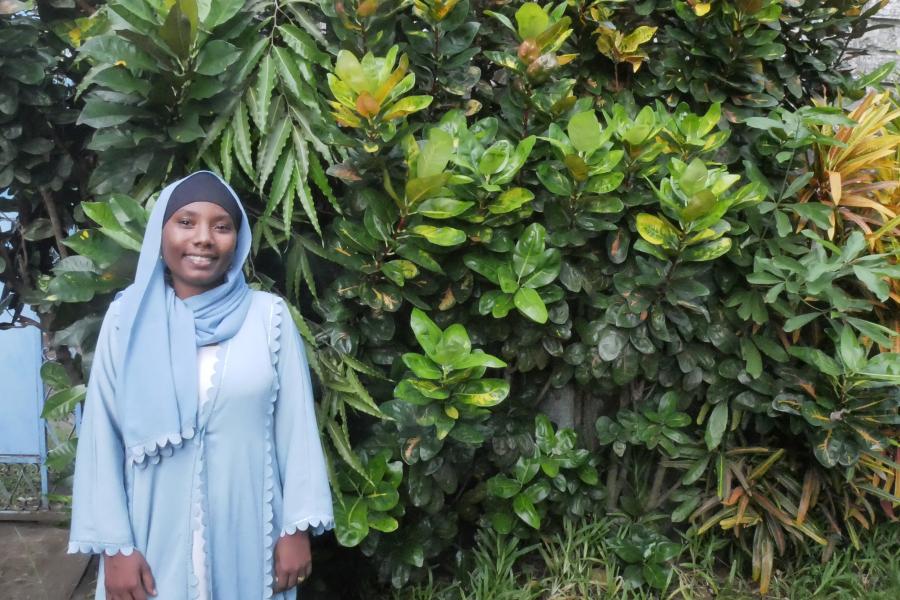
x,y
202,236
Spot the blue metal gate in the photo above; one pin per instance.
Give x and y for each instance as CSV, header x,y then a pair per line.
x,y
22,430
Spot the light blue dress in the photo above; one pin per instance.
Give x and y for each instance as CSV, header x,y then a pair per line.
x,y
253,470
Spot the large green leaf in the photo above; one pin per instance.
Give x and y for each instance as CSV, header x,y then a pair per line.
x,y
816,358
531,20
303,44
485,265
832,448
611,343
281,181
478,358
707,251
420,188
549,266
752,357
138,14
102,214
61,403
114,50
603,184
341,441
495,158
215,57
101,249
503,487
422,366
584,131
482,392
291,78
262,90
554,179
399,271
657,231
271,146
434,157
716,425
529,250
442,208
351,521
427,333
510,200
852,353
516,161
407,106
62,456
440,236
301,185
99,113
180,27
526,511
407,392
240,127
453,345
55,376
218,11
384,498
349,71
530,304
875,281
798,321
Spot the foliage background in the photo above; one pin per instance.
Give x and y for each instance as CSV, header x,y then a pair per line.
x,y
669,224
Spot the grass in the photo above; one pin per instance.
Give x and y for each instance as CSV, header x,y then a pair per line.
x,y
873,572
580,564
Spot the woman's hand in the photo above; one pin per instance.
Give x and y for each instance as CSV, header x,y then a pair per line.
x,y
293,560
128,577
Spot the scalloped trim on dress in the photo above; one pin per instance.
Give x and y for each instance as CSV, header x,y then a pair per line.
x,y
198,522
152,452
215,382
199,508
268,494
315,525
76,547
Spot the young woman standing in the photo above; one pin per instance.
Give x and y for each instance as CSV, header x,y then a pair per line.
x,y
199,472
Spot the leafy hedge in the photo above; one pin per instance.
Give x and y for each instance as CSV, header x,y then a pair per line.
x,y
671,225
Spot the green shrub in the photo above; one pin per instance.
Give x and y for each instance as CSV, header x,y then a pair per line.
x,y
664,213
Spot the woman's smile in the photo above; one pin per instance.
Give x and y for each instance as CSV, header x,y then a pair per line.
x,y
201,261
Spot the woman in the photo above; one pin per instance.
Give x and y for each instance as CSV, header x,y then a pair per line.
x,y
199,472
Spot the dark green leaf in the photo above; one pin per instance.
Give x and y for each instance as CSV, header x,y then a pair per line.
x,y
525,510
816,358
716,425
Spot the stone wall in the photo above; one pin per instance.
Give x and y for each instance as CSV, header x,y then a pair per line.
x,y
882,45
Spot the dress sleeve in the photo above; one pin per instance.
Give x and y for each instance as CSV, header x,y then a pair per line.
x,y
298,448
100,520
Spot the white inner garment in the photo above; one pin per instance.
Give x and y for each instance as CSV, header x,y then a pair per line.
x,y
206,363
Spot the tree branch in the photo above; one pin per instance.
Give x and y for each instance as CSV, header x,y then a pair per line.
x,y
50,205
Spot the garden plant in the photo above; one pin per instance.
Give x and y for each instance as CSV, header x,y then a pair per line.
x,y
626,263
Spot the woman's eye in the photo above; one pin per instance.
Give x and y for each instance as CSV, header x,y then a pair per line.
x,y
185,221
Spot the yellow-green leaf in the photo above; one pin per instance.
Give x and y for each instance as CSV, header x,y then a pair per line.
x,y
707,251
657,231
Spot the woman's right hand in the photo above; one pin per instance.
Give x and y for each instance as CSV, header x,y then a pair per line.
x,y
128,577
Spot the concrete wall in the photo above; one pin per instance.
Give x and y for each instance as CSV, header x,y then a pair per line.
x,y
882,45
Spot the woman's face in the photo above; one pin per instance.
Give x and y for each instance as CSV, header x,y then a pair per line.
x,y
198,243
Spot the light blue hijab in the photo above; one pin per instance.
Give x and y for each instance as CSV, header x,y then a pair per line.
x,y
156,382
